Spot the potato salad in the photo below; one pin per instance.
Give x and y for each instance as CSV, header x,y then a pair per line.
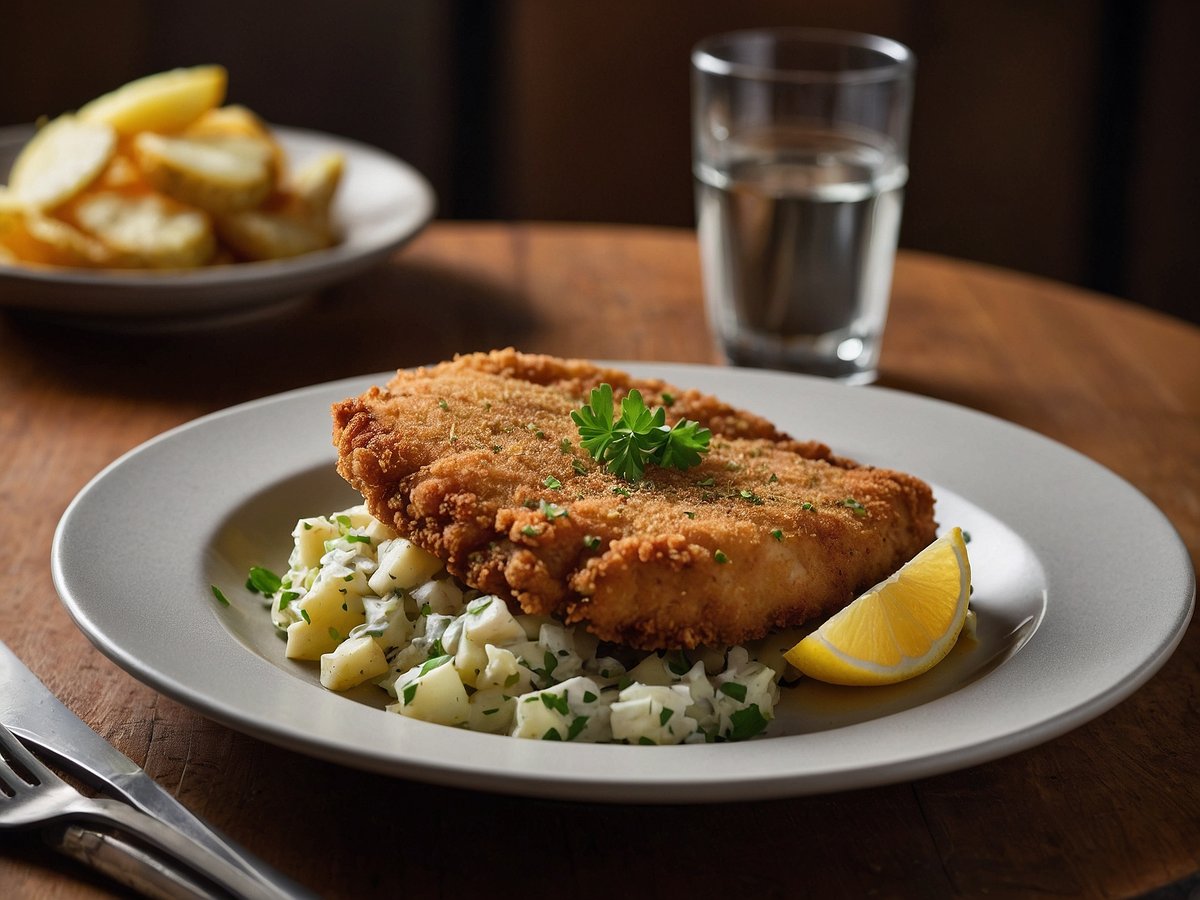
x,y
370,606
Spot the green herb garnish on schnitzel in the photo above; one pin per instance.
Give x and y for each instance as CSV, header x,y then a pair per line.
x,y
640,437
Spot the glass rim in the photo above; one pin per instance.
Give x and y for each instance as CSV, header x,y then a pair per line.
x,y
899,59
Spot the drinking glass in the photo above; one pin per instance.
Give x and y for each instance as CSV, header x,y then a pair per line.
x,y
800,157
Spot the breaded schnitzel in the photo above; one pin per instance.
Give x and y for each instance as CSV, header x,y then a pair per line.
x,y
478,461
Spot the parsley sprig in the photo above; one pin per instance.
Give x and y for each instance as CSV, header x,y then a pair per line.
x,y
640,437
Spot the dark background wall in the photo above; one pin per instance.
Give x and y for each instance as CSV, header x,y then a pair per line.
x,y
1052,136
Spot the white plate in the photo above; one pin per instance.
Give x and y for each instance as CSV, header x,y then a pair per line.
x,y
1082,590
380,203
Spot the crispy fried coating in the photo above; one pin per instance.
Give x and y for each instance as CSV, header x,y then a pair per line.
x,y
477,460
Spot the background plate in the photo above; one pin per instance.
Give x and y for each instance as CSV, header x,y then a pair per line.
x,y
380,203
1057,573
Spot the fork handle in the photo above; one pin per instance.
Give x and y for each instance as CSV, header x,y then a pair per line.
x,y
126,864
195,857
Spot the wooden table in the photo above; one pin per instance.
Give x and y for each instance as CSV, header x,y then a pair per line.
x,y
1110,809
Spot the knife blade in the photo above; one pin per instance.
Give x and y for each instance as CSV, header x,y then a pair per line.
x,y
39,718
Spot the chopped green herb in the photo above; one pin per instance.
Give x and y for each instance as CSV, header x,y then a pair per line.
x,y
854,506
287,597
678,663
305,616
668,399
720,557
551,482
496,448
358,539
639,437
219,594
410,691
773,479
426,609
966,537
443,404
806,505
589,697
431,664
577,725
263,581
476,610
308,526
734,689
436,649
646,741
333,633
512,679
349,577
344,521
665,715
537,432
777,534
564,446
552,735
747,723
530,531
553,511
555,702
491,712
751,496
578,466
689,514
591,541
622,491
707,482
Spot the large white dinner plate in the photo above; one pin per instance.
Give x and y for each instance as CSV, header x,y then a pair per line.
x,y
380,203
1082,590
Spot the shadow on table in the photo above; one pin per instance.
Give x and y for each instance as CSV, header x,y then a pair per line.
x,y
390,318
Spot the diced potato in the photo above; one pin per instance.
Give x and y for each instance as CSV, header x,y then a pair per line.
x,y
651,670
220,174
165,101
652,713
62,159
310,536
470,659
491,711
442,596
534,719
490,622
327,617
436,695
353,662
402,566
149,231
504,671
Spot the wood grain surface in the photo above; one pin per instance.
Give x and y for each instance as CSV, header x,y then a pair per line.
x,y
1111,809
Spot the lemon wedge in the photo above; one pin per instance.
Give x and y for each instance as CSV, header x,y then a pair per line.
x,y
898,629
166,101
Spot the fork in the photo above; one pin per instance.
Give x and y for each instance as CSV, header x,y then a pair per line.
x,y
31,795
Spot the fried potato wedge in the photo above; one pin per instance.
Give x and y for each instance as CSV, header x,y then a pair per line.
x,y
313,185
62,159
257,235
150,231
163,102
238,121
37,238
217,173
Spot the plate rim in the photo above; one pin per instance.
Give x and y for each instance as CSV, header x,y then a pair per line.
x,y
509,766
